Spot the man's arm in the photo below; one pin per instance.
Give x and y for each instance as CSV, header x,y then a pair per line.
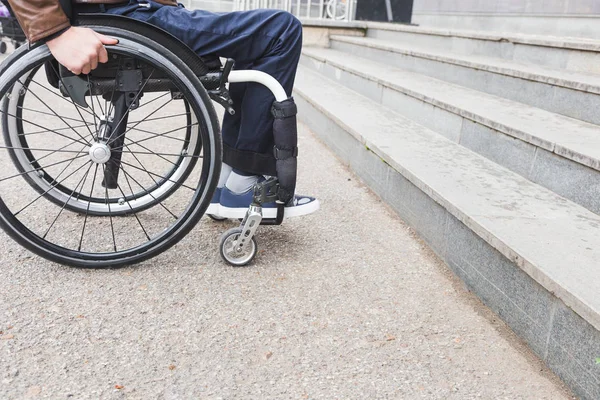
x,y
39,18
78,49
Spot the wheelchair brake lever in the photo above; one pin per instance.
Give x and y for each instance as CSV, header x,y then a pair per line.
x,y
221,95
225,74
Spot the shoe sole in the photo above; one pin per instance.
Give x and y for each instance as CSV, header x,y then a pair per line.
x,y
271,213
213,209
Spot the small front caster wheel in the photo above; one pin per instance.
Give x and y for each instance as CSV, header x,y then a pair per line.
x,y
3,48
216,217
240,253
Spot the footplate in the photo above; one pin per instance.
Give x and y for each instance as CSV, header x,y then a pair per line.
x,y
266,192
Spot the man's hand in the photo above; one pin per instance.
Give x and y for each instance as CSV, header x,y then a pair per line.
x,y
80,49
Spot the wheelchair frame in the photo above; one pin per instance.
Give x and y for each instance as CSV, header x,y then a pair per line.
x,y
238,245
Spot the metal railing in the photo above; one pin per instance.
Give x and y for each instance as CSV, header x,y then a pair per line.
x,y
336,10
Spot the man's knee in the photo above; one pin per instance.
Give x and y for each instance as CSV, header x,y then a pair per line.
x,y
294,24
287,23
292,31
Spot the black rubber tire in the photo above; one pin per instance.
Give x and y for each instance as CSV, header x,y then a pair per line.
x,y
147,49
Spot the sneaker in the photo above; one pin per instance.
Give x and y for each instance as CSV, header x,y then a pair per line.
x,y
214,209
236,205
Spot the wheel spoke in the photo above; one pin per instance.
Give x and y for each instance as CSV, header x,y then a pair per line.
x,y
112,229
55,114
112,140
37,160
38,169
162,134
47,113
128,183
38,149
47,129
97,101
62,97
82,183
148,193
157,175
87,211
112,94
145,148
92,101
155,135
129,204
158,118
143,167
164,154
153,100
78,108
55,184
107,107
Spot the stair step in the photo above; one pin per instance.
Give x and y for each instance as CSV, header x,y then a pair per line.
x,y
567,42
412,95
576,54
573,94
550,22
529,254
552,239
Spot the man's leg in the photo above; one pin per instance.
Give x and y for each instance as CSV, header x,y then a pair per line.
x,y
265,40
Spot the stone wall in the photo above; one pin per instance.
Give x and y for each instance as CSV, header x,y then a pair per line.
x,y
543,7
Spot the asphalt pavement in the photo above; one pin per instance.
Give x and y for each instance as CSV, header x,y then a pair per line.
x,y
345,303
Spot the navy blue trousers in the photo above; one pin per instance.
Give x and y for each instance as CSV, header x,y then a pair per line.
x,y
265,40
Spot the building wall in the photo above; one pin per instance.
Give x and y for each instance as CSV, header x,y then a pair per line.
x,y
543,7
577,18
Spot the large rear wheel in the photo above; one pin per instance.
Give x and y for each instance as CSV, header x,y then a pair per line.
x,y
116,178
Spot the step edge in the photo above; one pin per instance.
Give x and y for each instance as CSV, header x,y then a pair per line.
x,y
560,82
329,23
564,42
553,147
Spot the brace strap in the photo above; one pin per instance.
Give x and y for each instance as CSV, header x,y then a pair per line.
x,y
284,154
284,109
249,161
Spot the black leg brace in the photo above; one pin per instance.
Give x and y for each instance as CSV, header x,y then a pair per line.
x,y
285,135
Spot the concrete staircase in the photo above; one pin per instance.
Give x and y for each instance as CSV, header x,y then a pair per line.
x,y
488,145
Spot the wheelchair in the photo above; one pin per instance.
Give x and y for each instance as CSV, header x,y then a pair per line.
x,y
115,167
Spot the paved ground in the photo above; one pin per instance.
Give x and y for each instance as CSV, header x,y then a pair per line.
x,y
346,303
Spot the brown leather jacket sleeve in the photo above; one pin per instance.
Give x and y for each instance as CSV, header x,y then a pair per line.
x,y
39,18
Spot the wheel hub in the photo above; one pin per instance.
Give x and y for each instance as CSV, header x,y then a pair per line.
x,y
99,153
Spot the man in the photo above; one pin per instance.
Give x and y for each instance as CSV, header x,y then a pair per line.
x,y
266,40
